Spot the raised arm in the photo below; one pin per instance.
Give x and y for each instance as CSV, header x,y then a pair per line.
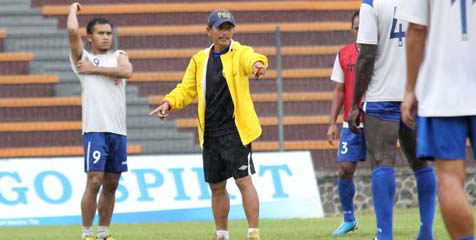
x,y
75,43
415,43
364,69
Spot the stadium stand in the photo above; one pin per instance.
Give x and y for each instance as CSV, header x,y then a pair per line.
x,y
160,38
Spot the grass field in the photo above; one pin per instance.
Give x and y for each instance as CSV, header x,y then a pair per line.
x,y
406,223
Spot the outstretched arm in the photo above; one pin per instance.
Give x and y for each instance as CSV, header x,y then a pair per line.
x,y
415,43
363,75
75,43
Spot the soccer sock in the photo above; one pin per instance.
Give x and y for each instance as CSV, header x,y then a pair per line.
x,y
346,189
103,232
466,238
383,192
250,230
223,234
426,185
87,231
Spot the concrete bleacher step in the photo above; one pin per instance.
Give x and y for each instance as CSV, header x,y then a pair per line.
x,y
31,32
72,87
13,2
293,145
153,83
295,127
156,134
61,2
262,85
194,11
178,59
54,151
169,147
15,63
272,97
175,76
3,34
69,133
33,21
295,103
17,86
194,36
19,10
270,121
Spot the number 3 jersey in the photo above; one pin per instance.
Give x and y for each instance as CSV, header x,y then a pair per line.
x,y
103,98
378,26
446,84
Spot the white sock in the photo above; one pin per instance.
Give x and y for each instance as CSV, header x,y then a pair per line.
x,y
87,231
103,232
223,234
250,230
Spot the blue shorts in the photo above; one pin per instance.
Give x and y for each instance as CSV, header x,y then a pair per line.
x,y
385,111
445,137
105,152
351,146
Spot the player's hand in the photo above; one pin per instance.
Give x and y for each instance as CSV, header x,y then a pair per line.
x,y
332,134
409,109
258,69
161,111
85,67
354,119
75,7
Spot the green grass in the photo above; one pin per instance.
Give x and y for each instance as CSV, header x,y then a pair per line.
x,y
406,224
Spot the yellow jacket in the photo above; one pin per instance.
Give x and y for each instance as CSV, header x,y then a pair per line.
x,y
237,67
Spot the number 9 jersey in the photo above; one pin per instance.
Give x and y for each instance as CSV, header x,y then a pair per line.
x,y
378,26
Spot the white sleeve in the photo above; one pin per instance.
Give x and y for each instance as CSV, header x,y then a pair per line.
x,y
118,52
337,73
368,25
414,11
73,66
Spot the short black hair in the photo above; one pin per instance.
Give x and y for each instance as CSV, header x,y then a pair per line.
x,y
94,22
356,14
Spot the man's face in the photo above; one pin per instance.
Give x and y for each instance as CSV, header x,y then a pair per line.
x,y
101,39
221,35
355,28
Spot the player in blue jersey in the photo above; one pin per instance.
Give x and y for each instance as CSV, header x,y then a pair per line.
x,y
380,74
441,86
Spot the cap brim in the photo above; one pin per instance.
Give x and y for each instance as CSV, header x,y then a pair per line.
x,y
223,20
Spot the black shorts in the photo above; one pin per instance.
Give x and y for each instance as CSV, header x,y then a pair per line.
x,y
225,156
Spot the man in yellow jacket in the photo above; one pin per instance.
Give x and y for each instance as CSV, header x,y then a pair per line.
x,y
227,122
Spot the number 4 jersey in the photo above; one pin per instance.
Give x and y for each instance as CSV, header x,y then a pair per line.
x,y
446,84
378,26
103,98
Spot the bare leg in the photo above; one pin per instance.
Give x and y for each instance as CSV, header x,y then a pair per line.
x,y
107,198
250,200
455,207
347,170
220,205
89,199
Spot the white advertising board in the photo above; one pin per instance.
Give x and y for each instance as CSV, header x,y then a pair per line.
x,y
47,191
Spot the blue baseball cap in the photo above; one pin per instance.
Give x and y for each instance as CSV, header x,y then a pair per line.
x,y
220,16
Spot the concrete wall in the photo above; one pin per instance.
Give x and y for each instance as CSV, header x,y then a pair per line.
x,y
405,195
